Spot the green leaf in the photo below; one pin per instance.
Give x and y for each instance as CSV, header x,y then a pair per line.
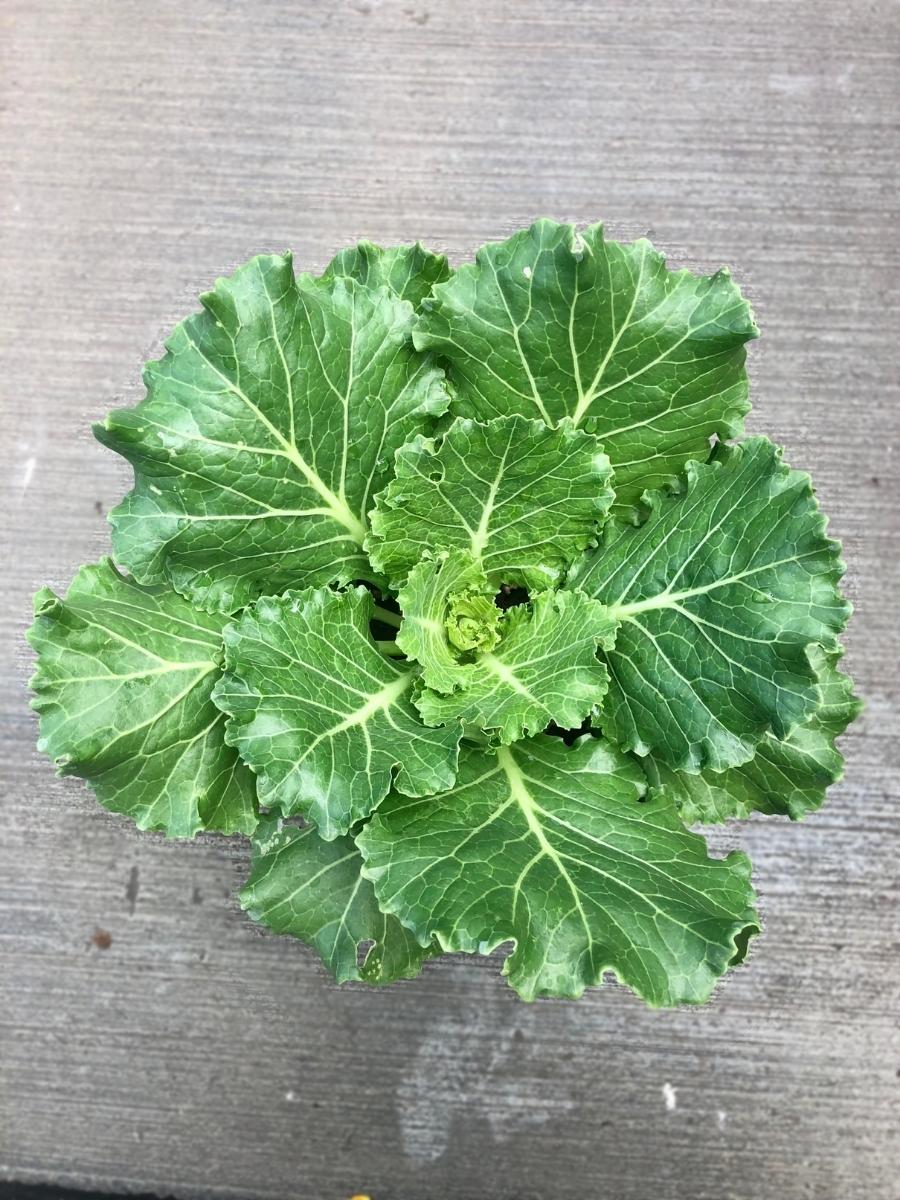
x,y
551,323
448,612
719,594
123,682
551,847
544,670
788,776
321,716
408,272
313,890
267,429
522,498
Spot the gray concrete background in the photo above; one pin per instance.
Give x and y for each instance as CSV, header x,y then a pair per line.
x,y
146,148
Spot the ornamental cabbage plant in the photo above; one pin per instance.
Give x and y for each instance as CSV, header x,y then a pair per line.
x,y
461,595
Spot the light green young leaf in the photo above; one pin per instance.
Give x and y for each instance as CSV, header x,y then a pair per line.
x,y
718,595
268,427
523,499
551,323
321,716
312,889
123,682
448,615
551,847
543,670
408,272
788,776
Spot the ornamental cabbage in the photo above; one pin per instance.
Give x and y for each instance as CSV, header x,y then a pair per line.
x,y
460,594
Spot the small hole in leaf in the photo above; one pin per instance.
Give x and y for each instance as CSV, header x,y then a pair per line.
x,y
742,943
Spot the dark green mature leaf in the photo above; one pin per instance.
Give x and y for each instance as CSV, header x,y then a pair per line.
x,y
321,716
788,776
551,847
312,889
123,682
523,499
551,323
543,670
408,272
268,428
718,594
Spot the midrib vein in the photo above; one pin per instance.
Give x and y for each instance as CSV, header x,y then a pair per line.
x,y
168,669
383,699
338,507
518,788
480,536
503,672
586,399
514,330
623,612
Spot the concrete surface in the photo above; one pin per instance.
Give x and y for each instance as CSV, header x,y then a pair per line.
x,y
146,148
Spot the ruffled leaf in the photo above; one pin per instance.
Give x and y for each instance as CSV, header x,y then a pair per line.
x,y
788,776
544,670
312,889
408,272
551,324
523,499
268,427
718,594
123,686
324,719
552,848
448,616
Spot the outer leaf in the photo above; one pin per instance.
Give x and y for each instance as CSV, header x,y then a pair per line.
x,y
789,777
408,272
719,594
321,716
551,324
313,890
523,499
550,847
123,683
448,609
543,670
267,429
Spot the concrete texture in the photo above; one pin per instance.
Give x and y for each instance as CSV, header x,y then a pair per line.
x,y
150,1038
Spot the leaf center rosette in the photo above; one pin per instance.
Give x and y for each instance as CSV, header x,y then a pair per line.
x,y
472,623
